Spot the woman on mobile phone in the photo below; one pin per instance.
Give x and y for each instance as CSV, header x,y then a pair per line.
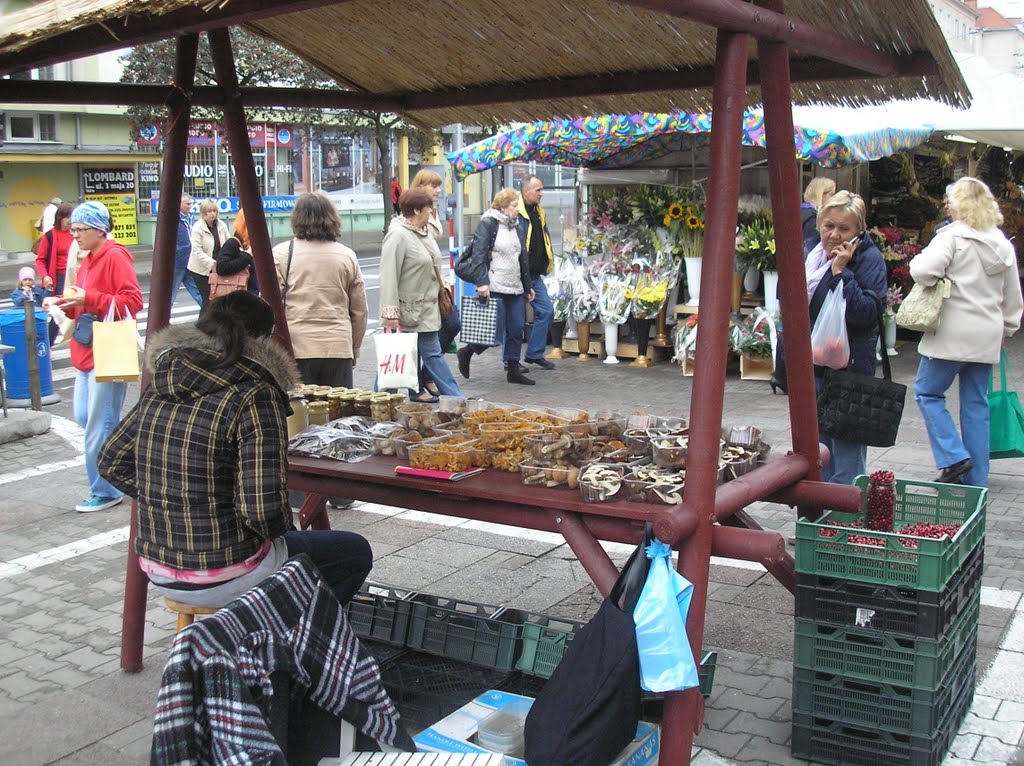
x,y
845,254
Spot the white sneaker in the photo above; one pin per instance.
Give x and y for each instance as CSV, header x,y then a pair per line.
x,y
95,503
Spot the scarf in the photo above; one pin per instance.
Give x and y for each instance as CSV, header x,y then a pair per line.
x,y
815,266
215,231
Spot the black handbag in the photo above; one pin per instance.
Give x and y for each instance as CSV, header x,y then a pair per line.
x,y
862,408
588,710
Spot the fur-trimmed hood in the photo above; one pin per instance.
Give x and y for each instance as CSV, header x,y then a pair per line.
x,y
180,377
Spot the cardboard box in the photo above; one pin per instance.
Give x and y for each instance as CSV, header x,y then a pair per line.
x,y
756,367
456,733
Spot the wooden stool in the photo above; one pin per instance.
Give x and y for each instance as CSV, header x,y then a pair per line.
x,y
186,612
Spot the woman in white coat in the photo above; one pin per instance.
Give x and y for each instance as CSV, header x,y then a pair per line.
x,y
208,234
983,307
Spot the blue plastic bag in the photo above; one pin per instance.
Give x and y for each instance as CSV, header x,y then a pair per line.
x,y
666,662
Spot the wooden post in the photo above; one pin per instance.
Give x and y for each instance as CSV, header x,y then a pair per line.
x,y
133,619
684,710
33,359
248,184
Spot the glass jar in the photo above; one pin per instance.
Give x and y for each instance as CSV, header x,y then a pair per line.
x,y
348,403
362,405
395,401
380,407
319,413
334,404
299,417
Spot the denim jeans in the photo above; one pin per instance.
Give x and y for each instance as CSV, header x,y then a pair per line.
x,y
849,460
543,313
98,410
934,377
514,320
182,276
450,327
435,365
344,559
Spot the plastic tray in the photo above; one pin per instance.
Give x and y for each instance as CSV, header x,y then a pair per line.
x,y
889,608
380,613
898,709
823,549
880,657
463,630
834,742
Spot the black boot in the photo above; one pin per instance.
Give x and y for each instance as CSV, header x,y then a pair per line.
x,y
515,375
465,354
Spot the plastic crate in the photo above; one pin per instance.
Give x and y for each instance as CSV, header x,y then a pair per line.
x,y
889,608
898,709
380,613
823,549
834,742
426,688
869,656
544,641
381,651
463,630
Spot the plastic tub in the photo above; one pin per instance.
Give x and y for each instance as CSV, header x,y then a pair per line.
x,y
500,437
550,476
417,417
503,730
571,447
445,453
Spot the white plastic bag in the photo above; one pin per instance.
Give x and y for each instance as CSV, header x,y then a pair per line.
x,y
398,363
830,344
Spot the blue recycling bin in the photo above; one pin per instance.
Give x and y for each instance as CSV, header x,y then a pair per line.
x,y
12,333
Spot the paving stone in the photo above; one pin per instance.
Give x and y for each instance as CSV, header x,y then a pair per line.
x,y
84,658
750,702
984,707
68,677
723,743
1010,711
992,749
762,749
98,753
965,745
20,685
774,731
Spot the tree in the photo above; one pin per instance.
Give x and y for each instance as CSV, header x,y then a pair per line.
x,y
261,62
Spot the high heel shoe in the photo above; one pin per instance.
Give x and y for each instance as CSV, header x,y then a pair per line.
x,y
775,383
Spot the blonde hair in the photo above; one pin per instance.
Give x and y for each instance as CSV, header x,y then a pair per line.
x,y
504,198
818,190
847,202
426,178
971,202
207,205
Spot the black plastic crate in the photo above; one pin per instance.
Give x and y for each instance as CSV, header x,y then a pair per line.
x,y
426,688
897,709
889,608
381,651
834,742
380,613
463,630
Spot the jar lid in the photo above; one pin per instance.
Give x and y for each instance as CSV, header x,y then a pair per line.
x,y
319,405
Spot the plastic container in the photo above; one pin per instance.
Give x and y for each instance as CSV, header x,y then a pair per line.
x,y
380,613
666,489
446,453
550,476
503,730
12,333
552,420
571,447
478,412
915,562
500,437
670,451
599,484
601,423
416,417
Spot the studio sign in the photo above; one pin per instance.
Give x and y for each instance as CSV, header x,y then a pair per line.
x,y
206,171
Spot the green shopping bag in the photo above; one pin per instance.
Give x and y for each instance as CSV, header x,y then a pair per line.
x,y
1006,418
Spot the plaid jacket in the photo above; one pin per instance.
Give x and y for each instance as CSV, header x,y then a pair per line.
x,y
216,689
205,451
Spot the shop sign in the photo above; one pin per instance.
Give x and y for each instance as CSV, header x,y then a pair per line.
x,y
149,173
233,204
115,188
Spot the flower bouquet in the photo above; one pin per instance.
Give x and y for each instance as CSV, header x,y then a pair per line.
x,y
584,305
757,244
893,298
649,293
559,284
685,339
756,336
616,285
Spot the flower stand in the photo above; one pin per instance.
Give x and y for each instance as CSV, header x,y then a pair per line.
x,y
771,291
693,268
583,328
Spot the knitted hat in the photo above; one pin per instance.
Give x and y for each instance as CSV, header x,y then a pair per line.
x,y
26,272
94,215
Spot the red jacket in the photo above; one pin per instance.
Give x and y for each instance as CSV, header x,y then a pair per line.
x,y
105,275
45,266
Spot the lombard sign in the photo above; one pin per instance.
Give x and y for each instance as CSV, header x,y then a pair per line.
x,y
233,204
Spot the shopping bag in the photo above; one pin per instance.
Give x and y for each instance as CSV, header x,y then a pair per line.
x,y
115,347
830,344
666,661
479,321
922,308
222,285
1006,418
398,362
589,709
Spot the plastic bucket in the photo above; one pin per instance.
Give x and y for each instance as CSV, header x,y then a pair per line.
x,y
12,333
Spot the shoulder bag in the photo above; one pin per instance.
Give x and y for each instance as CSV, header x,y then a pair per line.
x,y
222,285
922,308
1006,418
445,304
588,710
862,408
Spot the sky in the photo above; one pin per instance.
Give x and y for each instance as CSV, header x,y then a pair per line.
x,y
1005,7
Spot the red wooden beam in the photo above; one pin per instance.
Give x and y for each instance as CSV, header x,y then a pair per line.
x,y
248,185
133,624
739,16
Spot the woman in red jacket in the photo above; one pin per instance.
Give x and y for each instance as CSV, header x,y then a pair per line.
x,y
52,258
105,277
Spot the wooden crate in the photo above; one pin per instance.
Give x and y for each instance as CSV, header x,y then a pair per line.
x,y
687,366
756,367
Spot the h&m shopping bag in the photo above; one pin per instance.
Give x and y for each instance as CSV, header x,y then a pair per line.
x,y
398,362
115,347
1006,418
479,321
666,660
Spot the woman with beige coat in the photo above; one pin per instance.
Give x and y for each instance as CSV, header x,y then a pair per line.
x,y
984,306
208,234
324,294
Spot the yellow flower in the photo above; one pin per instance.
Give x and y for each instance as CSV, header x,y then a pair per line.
x,y
675,211
771,246
693,222
667,220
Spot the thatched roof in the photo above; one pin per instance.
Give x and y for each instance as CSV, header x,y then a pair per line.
x,y
457,60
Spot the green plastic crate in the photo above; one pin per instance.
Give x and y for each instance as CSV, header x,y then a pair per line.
x,y
463,630
822,549
544,640
380,613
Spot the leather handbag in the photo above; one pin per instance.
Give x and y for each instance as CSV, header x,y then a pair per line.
x,y
862,408
922,308
221,285
588,710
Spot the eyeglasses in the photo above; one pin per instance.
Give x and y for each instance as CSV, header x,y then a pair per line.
x,y
75,230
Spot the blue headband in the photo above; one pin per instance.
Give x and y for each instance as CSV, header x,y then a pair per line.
x,y
92,214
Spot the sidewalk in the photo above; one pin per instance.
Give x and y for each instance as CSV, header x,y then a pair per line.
x,y
64,700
